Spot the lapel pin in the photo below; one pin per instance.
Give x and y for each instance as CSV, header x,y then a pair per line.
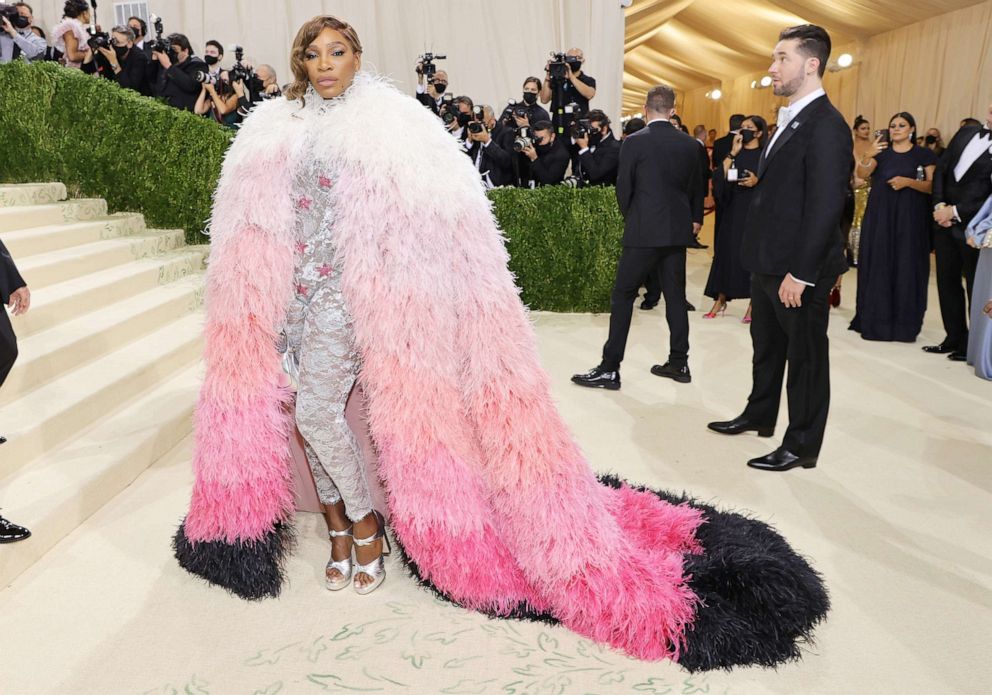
x,y
795,124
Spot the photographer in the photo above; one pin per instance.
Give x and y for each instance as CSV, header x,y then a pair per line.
x,y
599,151
213,54
139,28
17,39
457,115
566,85
527,111
437,84
491,160
217,99
176,80
263,85
548,156
121,62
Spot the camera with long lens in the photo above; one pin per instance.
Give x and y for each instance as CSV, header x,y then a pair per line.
x,y
10,13
523,140
476,127
427,66
240,71
204,77
447,117
160,44
557,69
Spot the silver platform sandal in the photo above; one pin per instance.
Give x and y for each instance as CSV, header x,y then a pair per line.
x,y
375,569
342,566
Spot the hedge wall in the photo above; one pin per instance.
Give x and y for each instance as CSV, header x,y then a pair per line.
x,y
141,155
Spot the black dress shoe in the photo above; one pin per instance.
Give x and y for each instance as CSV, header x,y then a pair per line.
x,y
648,305
689,306
782,460
3,440
958,356
10,533
667,370
598,379
941,349
741,424
695,244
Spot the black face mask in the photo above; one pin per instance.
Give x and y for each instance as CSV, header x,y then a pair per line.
x,y
747,136
173,56
530,98
595,138
121,51
574,63
210,60
440,87
542,149
930,139
464,119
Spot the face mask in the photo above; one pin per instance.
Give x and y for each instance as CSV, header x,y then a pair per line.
x,y
530,98
173,56
595,138
574,63
121,51
541,149
930,139
440,87
464,119
210,60
747,136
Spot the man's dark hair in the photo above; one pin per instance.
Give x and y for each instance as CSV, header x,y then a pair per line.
x,y
970,121
736,120
542,126
463,100
633,125
536,80
814,42
141,23
24,4
181,41
660,98
598,116
216,44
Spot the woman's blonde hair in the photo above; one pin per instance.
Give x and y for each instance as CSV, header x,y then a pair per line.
x,y
304,37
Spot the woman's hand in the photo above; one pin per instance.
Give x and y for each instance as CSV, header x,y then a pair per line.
x,y
239,88
987,309
749,181
877,147
735,149
900,182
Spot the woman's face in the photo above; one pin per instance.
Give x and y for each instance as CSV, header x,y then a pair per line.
x,y
864,130
331,63
900,130
748,124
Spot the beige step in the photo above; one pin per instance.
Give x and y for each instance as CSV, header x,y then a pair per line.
x,y
69,300
53,353
51,268
31,193
19,217
47,238
54,414
58,492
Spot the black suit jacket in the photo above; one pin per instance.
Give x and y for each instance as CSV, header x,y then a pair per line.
x,y
972,190
549,168
794,222
721,148
177,84
426,99
494,162
705,167
10,279
658,187
600,167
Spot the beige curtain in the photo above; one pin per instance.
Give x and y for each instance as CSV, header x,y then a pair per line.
x,y
491,46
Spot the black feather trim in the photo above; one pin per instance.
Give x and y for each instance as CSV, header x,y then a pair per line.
x,y
760,600
252,570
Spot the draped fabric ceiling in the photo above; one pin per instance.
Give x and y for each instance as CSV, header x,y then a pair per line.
x,y
697,44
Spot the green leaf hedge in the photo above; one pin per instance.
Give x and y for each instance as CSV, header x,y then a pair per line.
x,y
141,155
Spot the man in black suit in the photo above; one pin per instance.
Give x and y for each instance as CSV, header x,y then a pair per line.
x,y
176,81
599,152
547,156
794,247
15,294
492,161
431,94
961,183
658,192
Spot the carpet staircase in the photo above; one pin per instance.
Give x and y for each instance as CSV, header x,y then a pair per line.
x,y
109,365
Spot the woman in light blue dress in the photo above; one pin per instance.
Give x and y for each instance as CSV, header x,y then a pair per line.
x,y
979,235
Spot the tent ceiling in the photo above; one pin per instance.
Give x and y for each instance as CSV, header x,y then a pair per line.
x,y
699,43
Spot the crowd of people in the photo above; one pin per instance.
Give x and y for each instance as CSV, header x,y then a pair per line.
x,y
165,67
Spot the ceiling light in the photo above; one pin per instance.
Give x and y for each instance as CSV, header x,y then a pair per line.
x,y
766,80
716,94
845,60
754,84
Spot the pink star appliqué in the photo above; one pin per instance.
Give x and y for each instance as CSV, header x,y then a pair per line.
x,y
324,182
324,270
301,247
304,203
302,290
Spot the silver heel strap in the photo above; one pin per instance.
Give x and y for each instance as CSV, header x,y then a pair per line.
x,y
338,534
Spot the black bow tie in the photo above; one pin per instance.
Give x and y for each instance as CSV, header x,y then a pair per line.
x,y
984,133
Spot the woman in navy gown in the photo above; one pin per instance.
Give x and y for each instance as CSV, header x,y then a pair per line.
x,y
733,183
894,260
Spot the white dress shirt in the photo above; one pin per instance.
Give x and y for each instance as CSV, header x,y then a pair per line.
x,y
972,151
787,113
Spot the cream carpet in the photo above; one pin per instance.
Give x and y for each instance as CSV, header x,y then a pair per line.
x,y
896,517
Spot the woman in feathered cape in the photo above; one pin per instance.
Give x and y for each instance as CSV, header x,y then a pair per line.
x,y
490,499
